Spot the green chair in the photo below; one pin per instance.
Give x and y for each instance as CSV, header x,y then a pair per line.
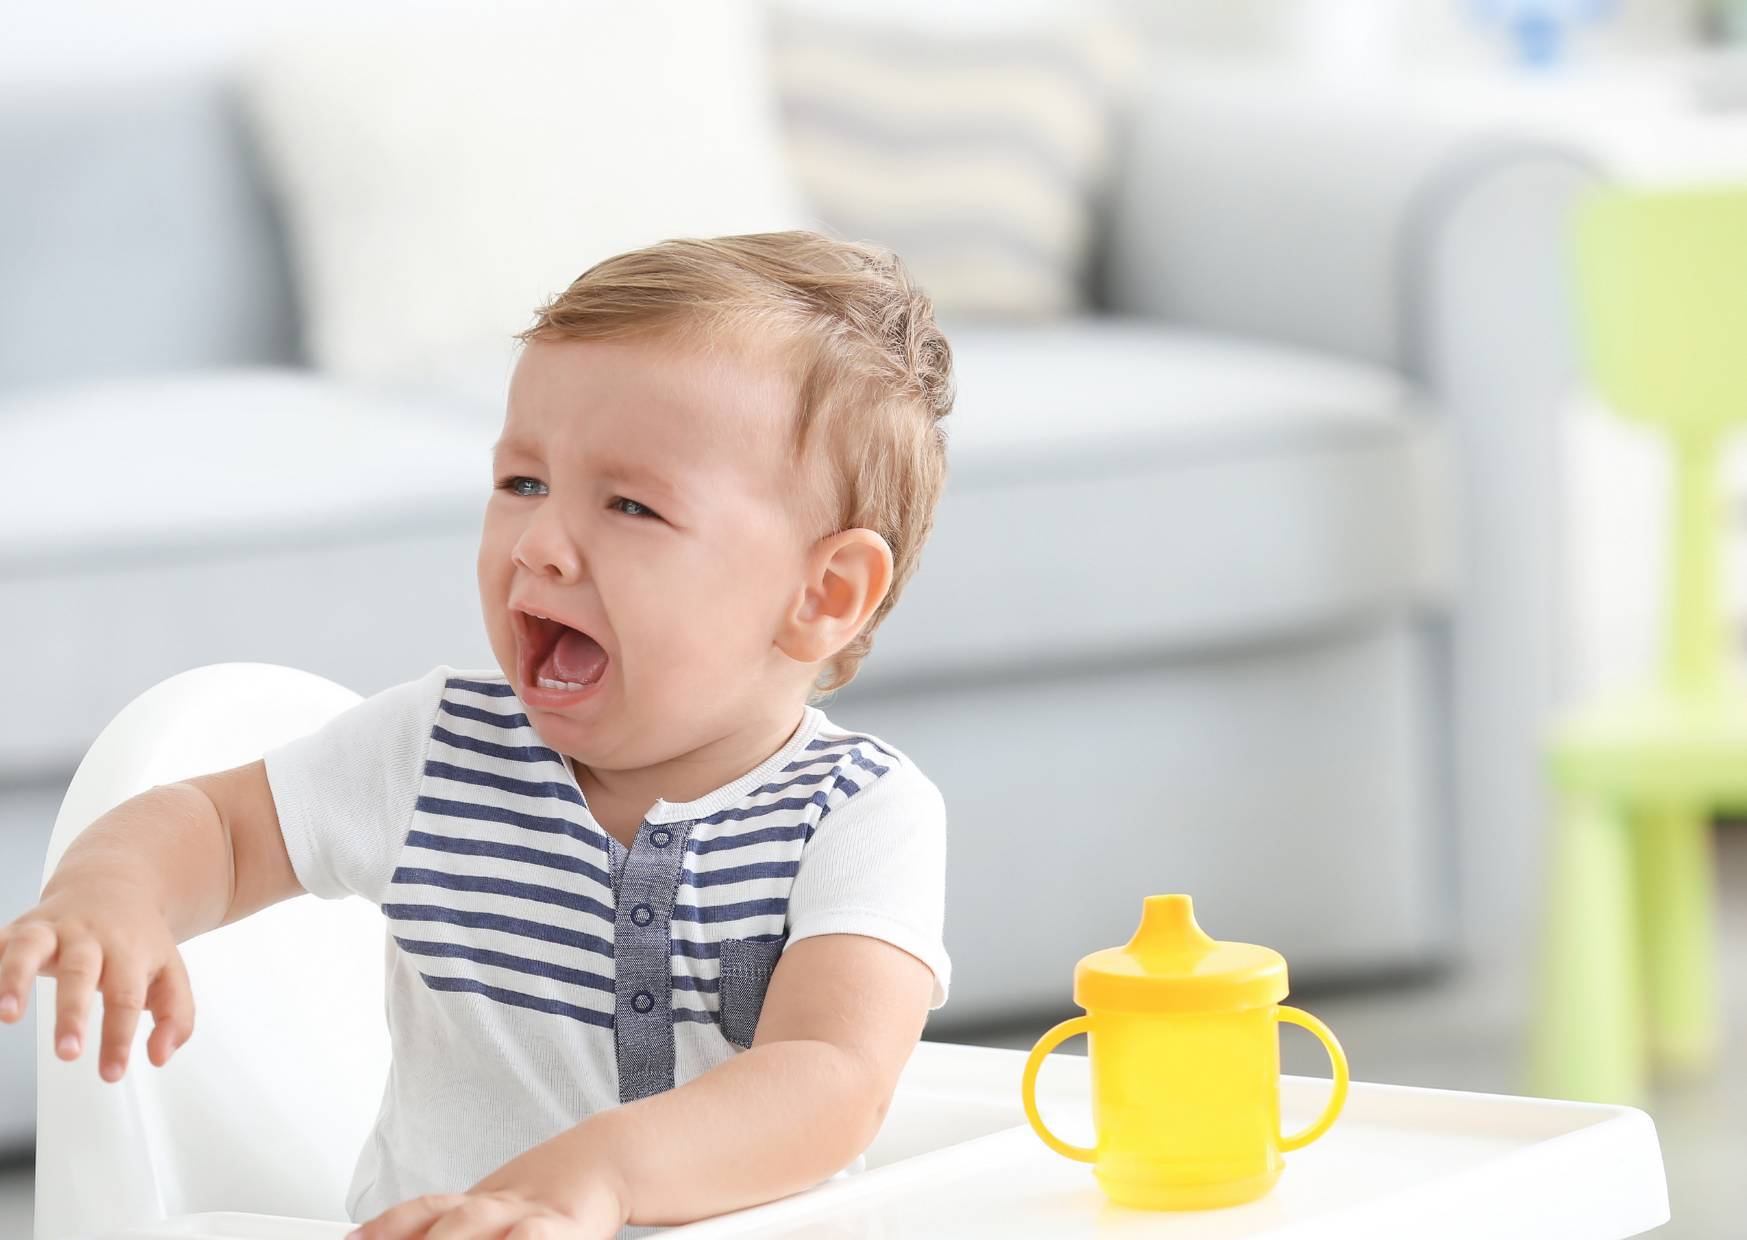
x,y
1628,982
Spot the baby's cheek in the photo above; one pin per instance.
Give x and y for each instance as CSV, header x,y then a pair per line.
x,y
688,660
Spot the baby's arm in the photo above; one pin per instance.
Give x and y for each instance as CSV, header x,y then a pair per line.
x,y
170,863
841,1017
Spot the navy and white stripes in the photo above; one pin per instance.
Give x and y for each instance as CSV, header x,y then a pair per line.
x,y
504,885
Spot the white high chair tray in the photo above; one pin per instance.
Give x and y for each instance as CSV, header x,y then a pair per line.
x,y
956,1158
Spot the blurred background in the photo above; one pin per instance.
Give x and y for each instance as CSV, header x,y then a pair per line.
x,y
1289,513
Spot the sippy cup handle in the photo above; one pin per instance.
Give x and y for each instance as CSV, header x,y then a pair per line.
x,y
1028,1087
1336,1056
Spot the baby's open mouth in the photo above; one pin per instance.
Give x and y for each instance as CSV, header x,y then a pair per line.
x,y
556,656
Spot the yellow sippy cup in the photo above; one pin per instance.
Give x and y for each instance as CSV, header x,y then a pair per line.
x,y
1185,1064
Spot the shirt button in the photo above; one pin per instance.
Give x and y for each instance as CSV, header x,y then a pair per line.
x,y
660,837
642,914
642,1001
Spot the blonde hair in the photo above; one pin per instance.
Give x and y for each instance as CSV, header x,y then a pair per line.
x,y
874,372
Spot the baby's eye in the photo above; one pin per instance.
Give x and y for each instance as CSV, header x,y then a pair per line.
x,y
621,499
512,485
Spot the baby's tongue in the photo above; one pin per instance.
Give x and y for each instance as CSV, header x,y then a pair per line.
x,y
577,658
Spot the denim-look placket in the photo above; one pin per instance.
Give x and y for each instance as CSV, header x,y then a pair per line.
x,y
643,959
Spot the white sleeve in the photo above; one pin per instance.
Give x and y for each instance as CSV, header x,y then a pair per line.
x,y
876,865
345,792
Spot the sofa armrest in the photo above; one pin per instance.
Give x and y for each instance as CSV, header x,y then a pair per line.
x,y
1303,210
1389,225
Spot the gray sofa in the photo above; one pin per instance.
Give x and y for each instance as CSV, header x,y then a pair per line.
x,y
1240,586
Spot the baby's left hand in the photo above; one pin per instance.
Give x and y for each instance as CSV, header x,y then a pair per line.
x,y
547,1193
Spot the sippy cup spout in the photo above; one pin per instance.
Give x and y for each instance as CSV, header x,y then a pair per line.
x,y
1168,938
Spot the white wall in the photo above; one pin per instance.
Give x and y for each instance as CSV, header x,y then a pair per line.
x,y
1352,33
70,37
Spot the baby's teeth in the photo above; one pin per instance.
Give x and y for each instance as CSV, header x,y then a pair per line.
x,y
546,682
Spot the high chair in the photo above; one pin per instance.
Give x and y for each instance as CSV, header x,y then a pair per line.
x,y
265,1108
1629,966
253,1128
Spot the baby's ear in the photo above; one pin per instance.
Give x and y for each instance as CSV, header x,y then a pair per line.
x,y
847,577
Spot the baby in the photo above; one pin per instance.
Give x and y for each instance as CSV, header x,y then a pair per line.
x,y
662,935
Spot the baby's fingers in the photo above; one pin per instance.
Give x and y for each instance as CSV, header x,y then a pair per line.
x,y
25,947
171,1002
77,968
124,995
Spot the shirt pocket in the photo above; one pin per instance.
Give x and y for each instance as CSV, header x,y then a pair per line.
x,y
746,968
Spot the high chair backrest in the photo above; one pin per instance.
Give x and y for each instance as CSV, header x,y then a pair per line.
x,y
1662,281
267,1105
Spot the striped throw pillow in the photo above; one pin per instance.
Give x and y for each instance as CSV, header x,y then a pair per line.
x,y
979,156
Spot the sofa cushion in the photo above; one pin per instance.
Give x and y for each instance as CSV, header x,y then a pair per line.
x,y
206,463
139,194
979,154
443,178
1121,487
1117,488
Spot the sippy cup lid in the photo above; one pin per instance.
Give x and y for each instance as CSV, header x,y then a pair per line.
x,y
1171,965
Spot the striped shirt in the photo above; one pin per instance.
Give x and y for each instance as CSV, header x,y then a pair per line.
x,y
538,970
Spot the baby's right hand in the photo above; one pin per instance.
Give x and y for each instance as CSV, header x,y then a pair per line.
x,y
99,937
